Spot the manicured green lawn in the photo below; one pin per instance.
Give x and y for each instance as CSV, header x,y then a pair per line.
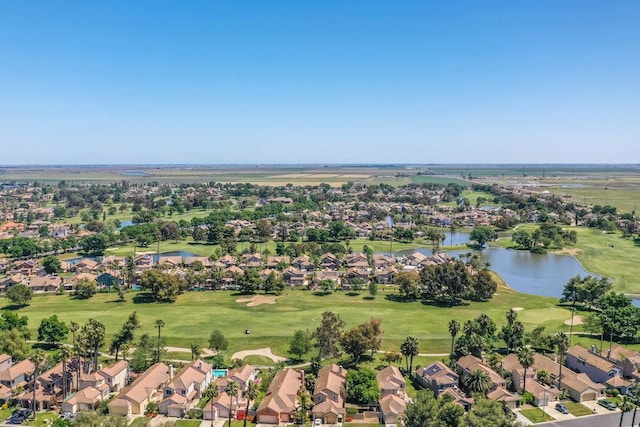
x,y
577,409
187,423
195,314
536,415
140,422
6,413
258,360
43,419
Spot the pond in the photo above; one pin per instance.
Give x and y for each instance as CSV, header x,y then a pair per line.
x,y
456,238
525,272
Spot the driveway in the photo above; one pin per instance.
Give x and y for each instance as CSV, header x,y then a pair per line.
x,y
559,416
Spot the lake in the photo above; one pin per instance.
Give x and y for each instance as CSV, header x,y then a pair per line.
x,y
525,272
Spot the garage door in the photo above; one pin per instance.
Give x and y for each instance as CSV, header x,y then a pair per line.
x,y
268,419
588,396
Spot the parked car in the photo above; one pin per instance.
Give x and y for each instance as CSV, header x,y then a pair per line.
x,y
562,409
317,422
607,404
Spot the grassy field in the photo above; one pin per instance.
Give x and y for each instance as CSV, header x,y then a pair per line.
x,y
432,179
195,314
577,409
203,249
536,415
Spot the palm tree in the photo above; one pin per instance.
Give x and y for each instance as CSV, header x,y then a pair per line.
x,y
477,381
251,393
409,349
38,358
74,327
159,324
526,359
211,392
562,341
65,353
196,350
454,328
232,391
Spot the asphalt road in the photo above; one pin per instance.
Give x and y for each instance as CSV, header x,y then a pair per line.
x,y
606,420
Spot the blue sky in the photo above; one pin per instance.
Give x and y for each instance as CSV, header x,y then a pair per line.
x,y
322,82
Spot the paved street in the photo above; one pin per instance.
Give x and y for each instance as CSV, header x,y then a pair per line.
x,y
606,420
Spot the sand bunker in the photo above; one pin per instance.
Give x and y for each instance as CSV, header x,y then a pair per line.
x,y
577,320
266,352
516,309
257,300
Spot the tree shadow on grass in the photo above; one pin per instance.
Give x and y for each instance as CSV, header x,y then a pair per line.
x,y
369,298
321,293
398,298
352,294
143,298
636,241
14,307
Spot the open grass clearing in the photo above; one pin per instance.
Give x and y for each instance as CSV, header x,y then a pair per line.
x,y
140,422
187,423
42,419
536,415
195,314
577,409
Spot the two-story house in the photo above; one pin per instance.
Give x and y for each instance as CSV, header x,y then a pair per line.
x,y
329,394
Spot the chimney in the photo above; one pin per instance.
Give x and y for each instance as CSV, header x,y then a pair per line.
x,y
302,376
171,372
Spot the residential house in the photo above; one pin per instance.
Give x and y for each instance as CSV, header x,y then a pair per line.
x,y
512,401
116,375
219,407
274,261
459,397
188,384
598,368
329,394
627,359
17,375
294,277
242,376
279,404
330,261
251,261
48,283
469,363
384,276
392,409
303,262
437,377
579,386
191,261
145,389
86,399
391,382
87,265
357,260
361,274
108,280
5,362
331,275
415,259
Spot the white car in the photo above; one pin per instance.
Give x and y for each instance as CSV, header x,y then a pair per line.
x,y
317,423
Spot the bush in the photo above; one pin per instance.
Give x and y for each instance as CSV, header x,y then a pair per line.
x,y
527,398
